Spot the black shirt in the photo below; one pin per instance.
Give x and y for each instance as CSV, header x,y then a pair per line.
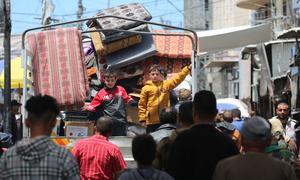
x,y
196,152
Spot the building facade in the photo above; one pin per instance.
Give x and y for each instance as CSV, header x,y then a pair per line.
x,y
221,78
280,58
198,14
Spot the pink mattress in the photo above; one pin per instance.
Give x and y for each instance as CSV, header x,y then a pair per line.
x,y
58,65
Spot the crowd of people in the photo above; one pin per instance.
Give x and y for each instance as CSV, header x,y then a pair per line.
x,y
192,140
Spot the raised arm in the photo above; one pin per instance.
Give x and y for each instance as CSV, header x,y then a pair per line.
x,y
175,81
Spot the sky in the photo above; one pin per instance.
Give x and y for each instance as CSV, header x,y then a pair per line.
x,y
27,13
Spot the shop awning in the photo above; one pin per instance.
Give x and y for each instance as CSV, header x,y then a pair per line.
x,y
177,47
220,63
229,38
16,74
290,33
251,4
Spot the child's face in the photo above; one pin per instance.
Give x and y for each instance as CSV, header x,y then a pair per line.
x,y
110,81
155,76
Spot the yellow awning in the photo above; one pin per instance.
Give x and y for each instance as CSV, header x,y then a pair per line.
x,y
16,74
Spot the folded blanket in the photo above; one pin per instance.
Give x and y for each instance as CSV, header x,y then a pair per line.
x,y
121,35
133,10
91,64
58,65
89,53
103,49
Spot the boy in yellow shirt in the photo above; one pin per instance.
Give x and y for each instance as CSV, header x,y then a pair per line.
x,y
155,95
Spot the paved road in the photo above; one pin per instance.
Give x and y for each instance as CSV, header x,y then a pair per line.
x,y
124,143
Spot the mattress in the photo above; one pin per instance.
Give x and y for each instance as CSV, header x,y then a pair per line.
x,y
132,54
104,49
133,10
58,65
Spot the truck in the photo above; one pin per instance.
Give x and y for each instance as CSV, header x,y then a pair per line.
x,y
83,127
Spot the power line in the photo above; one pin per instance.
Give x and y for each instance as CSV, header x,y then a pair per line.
x,y
27,22
172,4
35,14
60,5
70,14
26,14
182,11
144,3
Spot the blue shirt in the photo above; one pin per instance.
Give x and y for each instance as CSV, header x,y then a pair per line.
x,y
238,124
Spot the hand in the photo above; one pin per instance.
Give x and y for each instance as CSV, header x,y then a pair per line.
x,y
190,67
293,146
84,108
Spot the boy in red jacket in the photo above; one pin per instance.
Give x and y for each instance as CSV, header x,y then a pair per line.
x,y
112,98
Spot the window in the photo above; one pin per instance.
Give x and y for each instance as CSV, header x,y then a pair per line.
x,y
236,89
261,14
284,8
206,5
235,73
206,24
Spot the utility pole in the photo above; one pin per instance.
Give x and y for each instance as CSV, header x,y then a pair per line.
x,y
108,3
47,8
5,7
79,13
273,16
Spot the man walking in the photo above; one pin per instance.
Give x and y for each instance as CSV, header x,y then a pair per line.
x,y
196,152
97,157
38,157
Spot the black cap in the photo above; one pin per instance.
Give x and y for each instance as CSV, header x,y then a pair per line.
x,y
15,103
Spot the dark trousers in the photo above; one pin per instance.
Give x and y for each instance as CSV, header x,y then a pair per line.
x,y
152,128
119,128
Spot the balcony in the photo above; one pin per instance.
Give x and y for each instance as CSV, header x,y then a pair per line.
x,y
251,4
